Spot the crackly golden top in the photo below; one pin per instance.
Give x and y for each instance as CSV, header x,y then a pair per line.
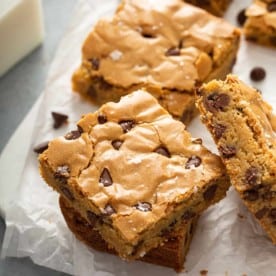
x,y
134,160
260,9
165,43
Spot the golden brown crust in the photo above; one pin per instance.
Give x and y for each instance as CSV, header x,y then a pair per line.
x,y
243,127
171,254
216,7
167,47
136,167
260,25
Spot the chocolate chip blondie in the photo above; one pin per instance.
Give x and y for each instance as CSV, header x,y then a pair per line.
x,y
169,47
170,254
260,24
216,7
243,127
131,170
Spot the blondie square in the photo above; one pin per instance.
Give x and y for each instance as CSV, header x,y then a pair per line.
x,y
169,47
260,24
216,7
132,171
243,127
170,254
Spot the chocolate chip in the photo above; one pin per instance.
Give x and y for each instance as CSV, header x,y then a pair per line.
x,y
252,38
241,18
257,74
216,101
41,147
227,151
273,40
188,215
272,213
143,206
271,7
193,162
95,63
252,176
218,130
92,218
105,178
261,213
62,173
80,129
67,193
59,119
209,194
102,119
251,195
163,151
72,135
127,125
147,35
173,51
109,210
116,144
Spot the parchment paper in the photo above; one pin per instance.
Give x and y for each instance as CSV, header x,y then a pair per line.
x,y
227,241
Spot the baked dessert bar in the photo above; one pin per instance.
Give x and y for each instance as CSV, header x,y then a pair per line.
x,y
216,7
133,170
170,254
169,47
260,24
243,127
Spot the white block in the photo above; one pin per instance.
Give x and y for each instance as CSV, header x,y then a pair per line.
x,y
21,30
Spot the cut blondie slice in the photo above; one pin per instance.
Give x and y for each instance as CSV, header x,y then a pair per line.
x,y
260,25
133,170
169,47
243,127
171,254
216,7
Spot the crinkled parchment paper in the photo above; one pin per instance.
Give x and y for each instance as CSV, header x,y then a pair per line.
x,y
227,241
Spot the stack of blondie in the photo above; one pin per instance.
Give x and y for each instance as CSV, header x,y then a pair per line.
x,y
132,180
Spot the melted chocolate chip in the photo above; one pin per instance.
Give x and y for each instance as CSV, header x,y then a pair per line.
x,y
72,135
257,74
92,218
147,35
106,178
102,119
271,7
95,63
163,151
173,51
272,213
215,102
41,147
193,162
241,18
261,213
218,130
80,129
143,206
251,195
127,125
109,210
197,141
117,144
227,151
62,173
252,176
188,215
209,194
59,119
67,193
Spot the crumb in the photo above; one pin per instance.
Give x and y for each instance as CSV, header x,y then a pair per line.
x,y
203,272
